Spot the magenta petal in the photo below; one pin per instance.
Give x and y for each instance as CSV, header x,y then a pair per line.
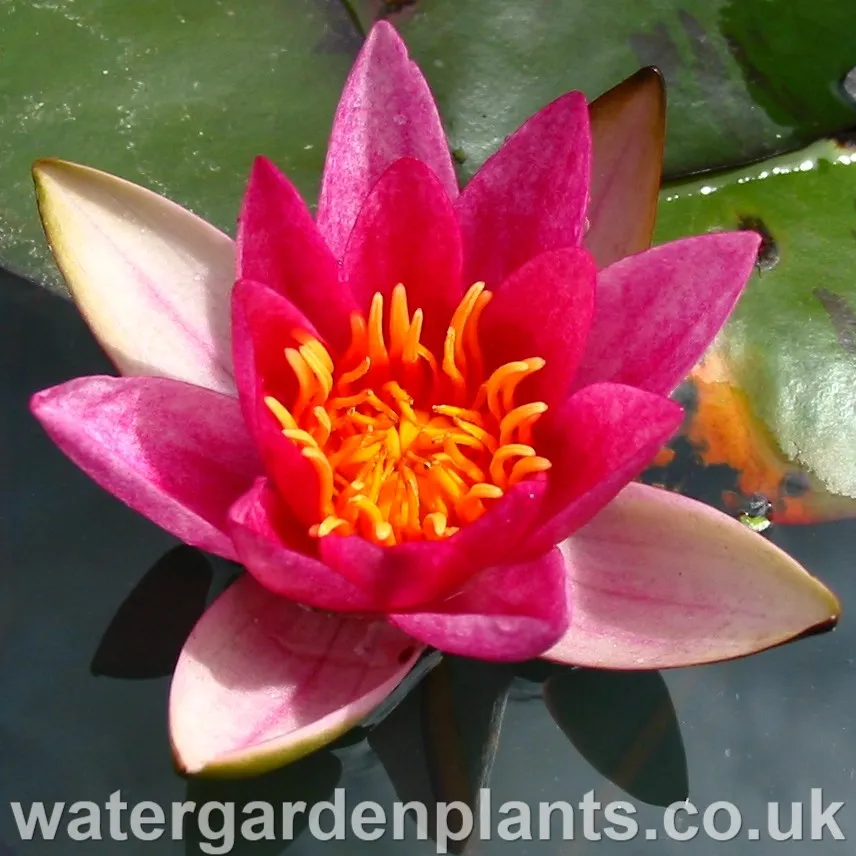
x,y
386,112
598,441
264,324
542,310
529,197
279,245
419,572
262,681
178,454
657,312
407,233
274,546
657,580
509,612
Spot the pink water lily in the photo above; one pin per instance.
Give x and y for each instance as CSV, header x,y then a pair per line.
x,y
415,417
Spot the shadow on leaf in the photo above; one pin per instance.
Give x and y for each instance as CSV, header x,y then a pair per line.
x,y
463,704
409,686
249,812
146,635
396,743
458,709
424,665
624,724
530,677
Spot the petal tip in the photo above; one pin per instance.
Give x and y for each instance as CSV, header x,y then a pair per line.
x,y
829,600
44,166
49,169
384,30
263,164
650,77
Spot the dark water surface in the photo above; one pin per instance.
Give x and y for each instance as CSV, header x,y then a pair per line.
x,y
84,684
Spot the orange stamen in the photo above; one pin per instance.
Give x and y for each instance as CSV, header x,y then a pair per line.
x,y
285,419
406,444
376,345
355,374
520,419
411,346
506,453
399,321
527,467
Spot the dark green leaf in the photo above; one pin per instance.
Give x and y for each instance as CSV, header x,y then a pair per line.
x,y
310,780
745,77
177,95
624,724
463,704
149,629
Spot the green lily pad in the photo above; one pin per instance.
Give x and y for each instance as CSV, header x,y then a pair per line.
x,y
177,95
746,78
774,397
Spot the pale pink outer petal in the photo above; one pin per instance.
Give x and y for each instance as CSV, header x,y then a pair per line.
x,y
657,312
178,454
657,580
151,279
262,681
531,196
506,613
386,112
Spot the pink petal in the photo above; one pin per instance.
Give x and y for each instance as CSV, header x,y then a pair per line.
x,y
407,233
264,324
178,454
262,681
600,439
509,612
657,580
387,112
628,124
657,312
280,246
278,552
542,310
151,279
419,572
529,197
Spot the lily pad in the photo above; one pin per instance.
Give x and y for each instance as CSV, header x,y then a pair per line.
x,y
774,397
625,725
176,95
179,96
746,78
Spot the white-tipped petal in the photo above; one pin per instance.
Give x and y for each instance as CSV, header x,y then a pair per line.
x,y
152,279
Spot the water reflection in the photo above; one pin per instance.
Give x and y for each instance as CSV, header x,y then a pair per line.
x,y
148,630
77,580
308,781
624,724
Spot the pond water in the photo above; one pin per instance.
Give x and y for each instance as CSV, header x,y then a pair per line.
x,y
83,710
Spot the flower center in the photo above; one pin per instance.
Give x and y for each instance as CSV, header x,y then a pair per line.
x,y
408,445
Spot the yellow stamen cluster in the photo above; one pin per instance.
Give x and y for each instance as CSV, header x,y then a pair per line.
x,y
407,446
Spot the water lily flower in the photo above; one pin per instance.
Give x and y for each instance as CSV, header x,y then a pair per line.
x,y
414,417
